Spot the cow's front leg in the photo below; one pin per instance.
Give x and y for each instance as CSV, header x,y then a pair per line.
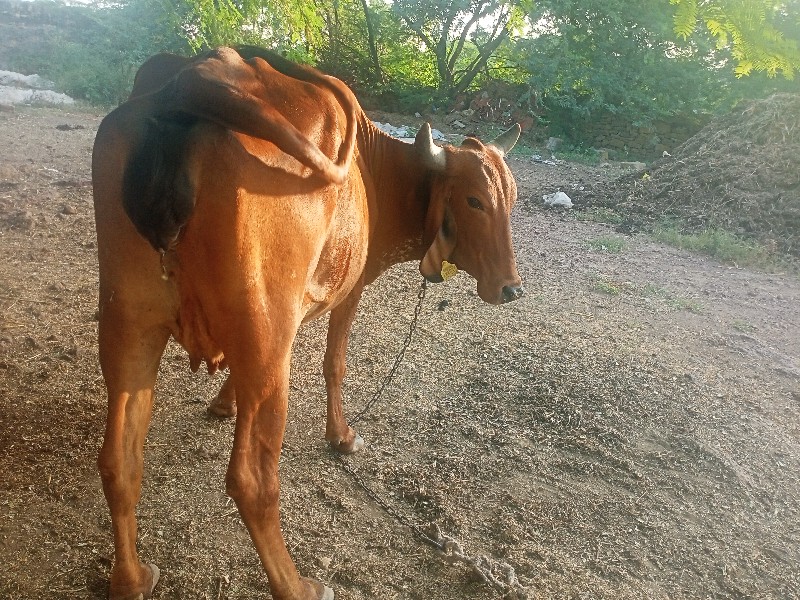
x,y
339,434
262,390
129,358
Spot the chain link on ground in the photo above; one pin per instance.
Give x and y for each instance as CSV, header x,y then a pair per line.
x,y
499,575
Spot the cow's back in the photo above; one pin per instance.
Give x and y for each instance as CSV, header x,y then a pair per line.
x,y
239,216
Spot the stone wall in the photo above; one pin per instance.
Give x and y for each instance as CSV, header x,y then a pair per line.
x,y
624,139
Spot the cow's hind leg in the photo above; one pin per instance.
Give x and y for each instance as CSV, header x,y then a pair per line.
x,y
129,358
260,372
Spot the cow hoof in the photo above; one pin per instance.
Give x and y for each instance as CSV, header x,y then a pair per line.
x,y
221,409
156,576
149,586
348,446
321,591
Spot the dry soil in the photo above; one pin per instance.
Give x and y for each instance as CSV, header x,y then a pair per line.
x,y
630,429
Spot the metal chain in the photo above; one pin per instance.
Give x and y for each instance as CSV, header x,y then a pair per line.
x,y
499,575
390,375
388,508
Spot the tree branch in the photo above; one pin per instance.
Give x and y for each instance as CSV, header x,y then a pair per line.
x,y
418,30
479,63
459,47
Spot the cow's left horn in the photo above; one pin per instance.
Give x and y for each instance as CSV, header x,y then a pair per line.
x,y
506,140
432,155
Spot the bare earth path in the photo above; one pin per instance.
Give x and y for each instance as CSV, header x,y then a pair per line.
x,y
630,429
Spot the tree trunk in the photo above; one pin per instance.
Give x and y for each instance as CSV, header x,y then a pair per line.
x,y
373,44
479,63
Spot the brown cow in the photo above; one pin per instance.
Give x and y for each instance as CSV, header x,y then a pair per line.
x,y
235,199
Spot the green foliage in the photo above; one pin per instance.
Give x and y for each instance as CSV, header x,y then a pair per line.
x,y
598,55
674,302
606,286
579,56
743,326
292,26
578,153
98,77
648,291
460,36
600,214
365,44
762,35
685,17
95,52
355,41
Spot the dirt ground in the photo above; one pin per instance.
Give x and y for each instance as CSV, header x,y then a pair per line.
x,y
630,429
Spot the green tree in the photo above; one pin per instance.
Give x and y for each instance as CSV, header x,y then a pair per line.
x,y
763,35
460,35
598,55
293,26
340,36
578,55
352,39
95,50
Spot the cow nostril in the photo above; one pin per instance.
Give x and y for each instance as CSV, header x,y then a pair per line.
x,y
512,292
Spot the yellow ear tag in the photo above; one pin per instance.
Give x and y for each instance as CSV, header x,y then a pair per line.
x,y
448,270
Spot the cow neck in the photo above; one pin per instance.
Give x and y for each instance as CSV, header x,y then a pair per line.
x,y
402,190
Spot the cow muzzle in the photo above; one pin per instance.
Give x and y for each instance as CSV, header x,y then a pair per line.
x,y
511,293
493,293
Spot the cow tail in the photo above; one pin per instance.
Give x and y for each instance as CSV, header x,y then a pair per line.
x,y
225,89
343,94
158,191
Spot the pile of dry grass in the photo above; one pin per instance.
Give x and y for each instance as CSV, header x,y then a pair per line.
x,y
740,173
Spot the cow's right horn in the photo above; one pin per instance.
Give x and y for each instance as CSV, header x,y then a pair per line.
x,y
506,140
432,155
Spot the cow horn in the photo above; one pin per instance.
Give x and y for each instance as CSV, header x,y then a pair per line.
x,y
432,155
506,140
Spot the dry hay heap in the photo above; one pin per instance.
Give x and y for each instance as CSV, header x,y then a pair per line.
x,y
740,173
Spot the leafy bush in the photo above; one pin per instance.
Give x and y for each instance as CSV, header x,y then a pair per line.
x,y
94,53
599,55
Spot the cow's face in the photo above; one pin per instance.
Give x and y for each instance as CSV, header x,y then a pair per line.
x,y
468,222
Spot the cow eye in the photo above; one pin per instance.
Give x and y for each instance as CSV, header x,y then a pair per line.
x,y
474,203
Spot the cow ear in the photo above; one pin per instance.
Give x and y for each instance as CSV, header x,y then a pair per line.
x,y
440,227
506,140
473,143
432,156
